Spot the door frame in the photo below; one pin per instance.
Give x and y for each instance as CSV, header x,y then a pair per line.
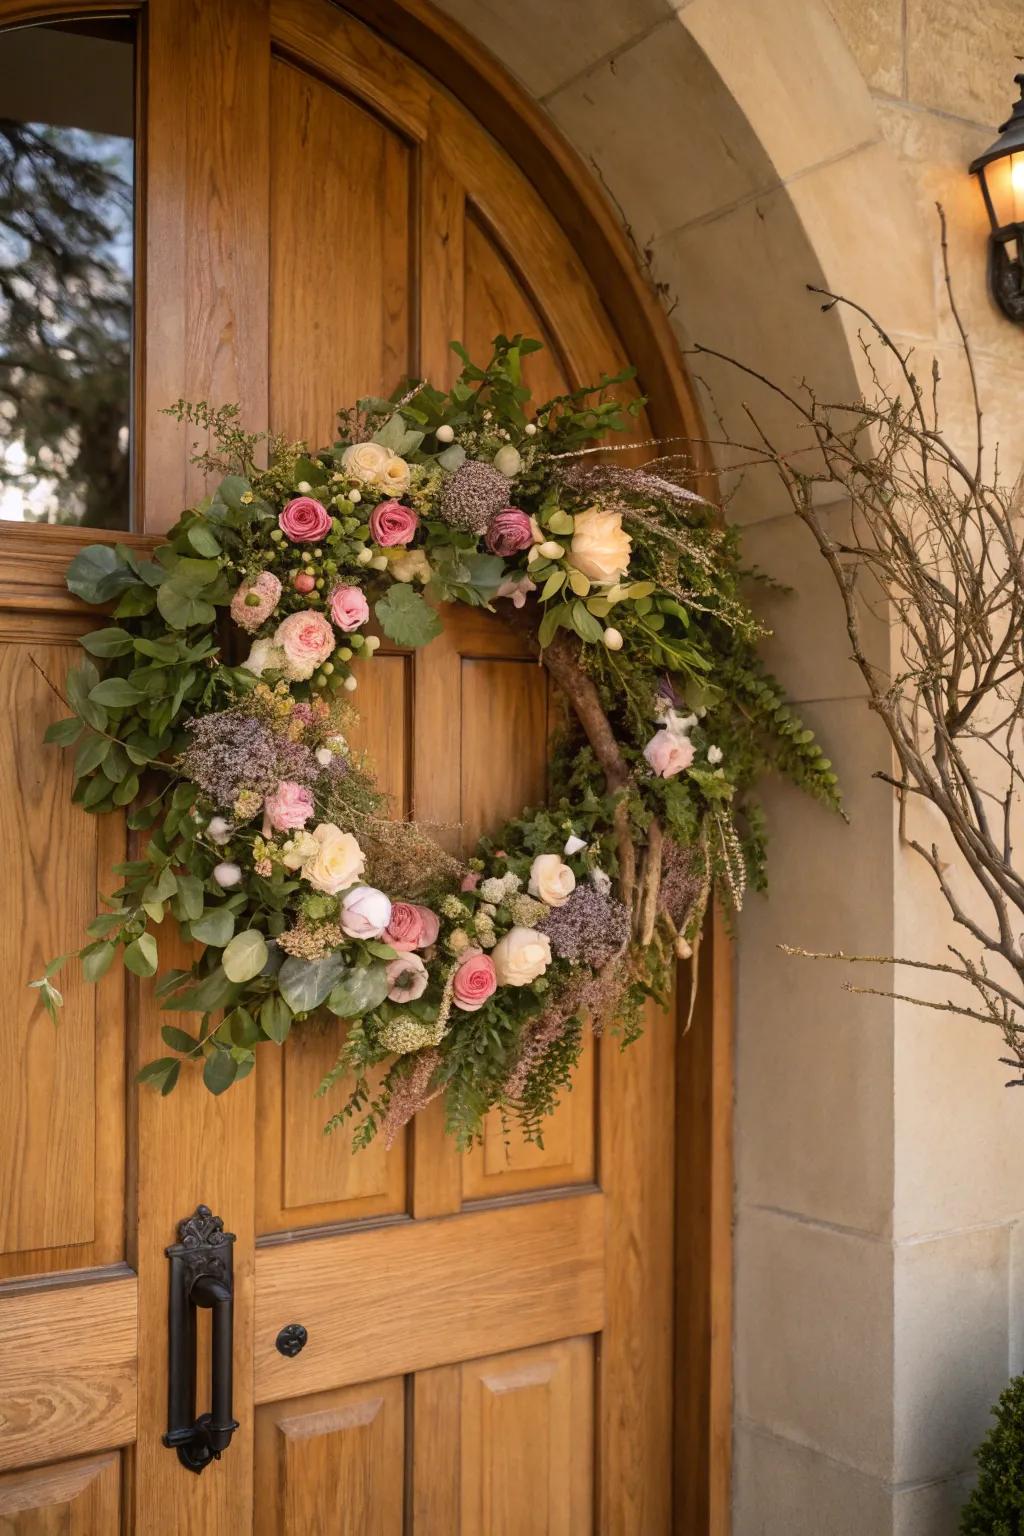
x,y
702,1156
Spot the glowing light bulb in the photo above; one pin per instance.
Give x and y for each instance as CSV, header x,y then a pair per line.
x,y
1017,174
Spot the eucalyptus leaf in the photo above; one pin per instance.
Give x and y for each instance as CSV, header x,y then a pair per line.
x,y
220,1071
215,928
305,984
361,989
141,956
245,956
107,642
98,574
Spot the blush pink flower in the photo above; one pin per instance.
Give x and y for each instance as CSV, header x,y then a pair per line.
x,y
470,881
304,581
365,912
508,532
304,520
405,931
517,588
407,979
249,614
668,753
289,806
431,927
391,523
474,982
349,608
307,639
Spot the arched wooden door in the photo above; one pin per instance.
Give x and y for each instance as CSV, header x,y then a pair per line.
x,y
489,1337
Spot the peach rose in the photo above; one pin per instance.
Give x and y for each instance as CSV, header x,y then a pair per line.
x,y
407,930
600,547
551,880
668,753
306,639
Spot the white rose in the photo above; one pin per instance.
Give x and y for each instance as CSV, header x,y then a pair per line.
x,y
367,462
411,565
600,546
521,956
264,654
338,861
365,912
551,880
395,477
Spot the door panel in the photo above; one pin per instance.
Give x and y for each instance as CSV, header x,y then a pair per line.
x,y
73,1498
332,1460
62,1109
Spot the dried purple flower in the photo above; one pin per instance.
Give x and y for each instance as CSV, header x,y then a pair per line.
x,y
587,928
232,753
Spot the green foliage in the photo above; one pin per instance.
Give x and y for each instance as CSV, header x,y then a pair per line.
x,y
405,617
996,1506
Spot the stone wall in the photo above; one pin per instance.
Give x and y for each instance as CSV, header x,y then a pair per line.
x,y
755,146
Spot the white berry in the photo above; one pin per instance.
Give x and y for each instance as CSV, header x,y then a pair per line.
x,y
227,875
351,685
364,556
531,429
305,487
354,496
613,639
445,434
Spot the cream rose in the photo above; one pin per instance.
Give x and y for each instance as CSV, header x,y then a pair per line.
x,y
551,879
600,546
265,654
338,861
298,849
367,462
412,565
395,476
521,956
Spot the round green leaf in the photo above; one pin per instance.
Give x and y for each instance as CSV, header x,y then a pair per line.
x,y
245,956
359,991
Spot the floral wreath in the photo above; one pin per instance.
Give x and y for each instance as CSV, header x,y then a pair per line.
x,y
268,841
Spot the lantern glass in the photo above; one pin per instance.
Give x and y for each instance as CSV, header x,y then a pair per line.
x,y
1005,181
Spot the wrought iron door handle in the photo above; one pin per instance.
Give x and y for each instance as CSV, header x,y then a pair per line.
x,y
202,1275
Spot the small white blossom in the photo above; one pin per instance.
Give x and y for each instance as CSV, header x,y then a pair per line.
x,y
714,756
573,845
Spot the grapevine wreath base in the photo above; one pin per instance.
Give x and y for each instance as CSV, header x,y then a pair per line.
x,y
215,707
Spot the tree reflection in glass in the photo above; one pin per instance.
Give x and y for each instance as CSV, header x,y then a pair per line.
x,y
66,253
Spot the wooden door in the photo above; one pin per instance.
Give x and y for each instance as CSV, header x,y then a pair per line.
x,y
490,1336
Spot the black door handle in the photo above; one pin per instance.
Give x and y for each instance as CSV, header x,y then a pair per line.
x,y
202,1275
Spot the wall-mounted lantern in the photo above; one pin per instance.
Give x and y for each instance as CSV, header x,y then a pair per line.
x,y
1000,172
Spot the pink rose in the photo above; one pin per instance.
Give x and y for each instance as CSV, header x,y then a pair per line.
x,y
304,520
431,927
391,523
405,930
470,881
306,639
290,805
349,608
407,979
668,753
508,532
475,981
249,614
